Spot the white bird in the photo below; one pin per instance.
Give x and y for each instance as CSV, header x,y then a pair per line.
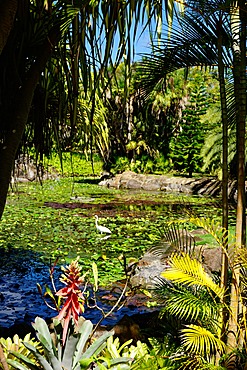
x,y
100,228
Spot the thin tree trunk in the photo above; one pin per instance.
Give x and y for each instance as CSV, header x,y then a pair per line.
x,y
224,261
240,99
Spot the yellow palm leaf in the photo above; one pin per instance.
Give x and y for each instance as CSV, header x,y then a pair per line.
x,y
185,270
200,340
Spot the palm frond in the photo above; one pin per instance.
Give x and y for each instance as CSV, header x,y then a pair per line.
x,y
197,362
200,340
187,306
221,236
174,239
193,43
185,270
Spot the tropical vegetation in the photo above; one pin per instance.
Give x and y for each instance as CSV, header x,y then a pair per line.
x,y
63,89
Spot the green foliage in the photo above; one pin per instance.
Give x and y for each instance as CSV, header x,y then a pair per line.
x,y
120,165
186,304
17,344
186,145
81,351
155,120
196,298
153,355
156,355
211,152
73,164
77,352
156,164
189,272
197,339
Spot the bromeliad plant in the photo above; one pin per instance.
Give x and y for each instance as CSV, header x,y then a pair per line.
x,y
70,300
71,297
70,346
76,353
72,294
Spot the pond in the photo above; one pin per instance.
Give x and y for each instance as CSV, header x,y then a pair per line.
x,y
57,220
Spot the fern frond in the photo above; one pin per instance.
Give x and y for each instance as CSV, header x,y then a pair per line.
x,y
185,270
200,340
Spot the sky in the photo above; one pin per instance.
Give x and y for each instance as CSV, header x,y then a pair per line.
x,y
142,43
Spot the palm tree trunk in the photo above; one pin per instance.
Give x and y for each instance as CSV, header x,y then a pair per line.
x,y
240,100
224,262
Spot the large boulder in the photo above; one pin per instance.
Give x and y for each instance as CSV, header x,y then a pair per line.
x,y
178,184
132,180
149,268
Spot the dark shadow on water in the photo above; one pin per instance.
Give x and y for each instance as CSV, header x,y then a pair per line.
x,y
95,181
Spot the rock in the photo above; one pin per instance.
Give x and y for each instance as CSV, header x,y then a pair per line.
x,y
26,169
201,186
147,270
132,180
212,259
150,266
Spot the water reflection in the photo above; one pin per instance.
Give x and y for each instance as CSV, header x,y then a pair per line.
x,y
105,237
20,301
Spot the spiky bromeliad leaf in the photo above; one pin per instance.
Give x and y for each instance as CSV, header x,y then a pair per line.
x,y
30,364
200,340
43,334
53,364
187,271
25,360
96,347
85,331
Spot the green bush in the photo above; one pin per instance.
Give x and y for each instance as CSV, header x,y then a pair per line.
x,y
74,164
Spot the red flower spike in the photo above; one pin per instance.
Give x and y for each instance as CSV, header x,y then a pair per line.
x,y
73,305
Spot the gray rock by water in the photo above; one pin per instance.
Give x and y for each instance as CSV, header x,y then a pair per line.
x,y
150,266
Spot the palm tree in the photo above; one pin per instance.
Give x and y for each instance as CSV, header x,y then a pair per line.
x,y
193,295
